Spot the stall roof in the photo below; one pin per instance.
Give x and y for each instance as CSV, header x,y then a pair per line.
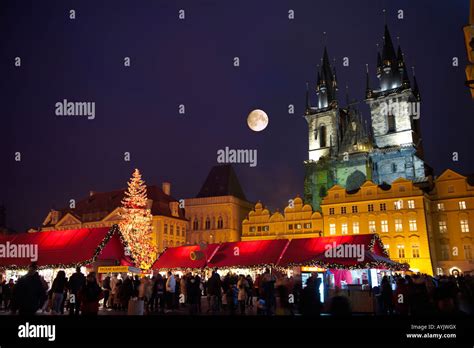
x,y
180,257
62,249
355,251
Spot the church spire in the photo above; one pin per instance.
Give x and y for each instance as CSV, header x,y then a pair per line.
x,y
327,83
308,104
368,90
416,90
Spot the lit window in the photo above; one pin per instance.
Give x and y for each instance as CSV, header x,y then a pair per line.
x,y
332,229
307,225
266,228
177,230
467,252
171,229
401,251
383,206
384,225
370,207
387,248
462,205
355,227
298,226
331,211
344,228
412,224
440,206
398,225
343,210
415,249
354,209
464,226
411,204
166,229
443,228
252,229
259,229
398,205
183,231
372,228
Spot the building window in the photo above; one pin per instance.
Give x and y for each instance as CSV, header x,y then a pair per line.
x,y
398,205
440,206
290,226
166,229
354,209
467,252
415,250
450,189
384,225
259,229
355,227
171,229
336,195
344,228
343,210
398,225
195,225
177,230
412,224
208,224
401,189
332,229
394,167
401,251
322,136
445,252
165,243
443,227
462,205
307,225
387,249
266,228
331,211
252,229
391,125
298,226
411,204
383,206
183,231
370,207
220,222
372,228
464,225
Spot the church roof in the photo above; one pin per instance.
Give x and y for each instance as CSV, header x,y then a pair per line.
x,y
222,181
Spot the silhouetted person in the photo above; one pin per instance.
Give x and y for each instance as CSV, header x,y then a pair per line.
x,y
28,294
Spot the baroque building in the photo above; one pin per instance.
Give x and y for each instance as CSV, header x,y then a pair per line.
x,y
216,213
344,150
102,209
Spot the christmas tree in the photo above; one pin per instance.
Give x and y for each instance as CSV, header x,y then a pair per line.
x,y
136,222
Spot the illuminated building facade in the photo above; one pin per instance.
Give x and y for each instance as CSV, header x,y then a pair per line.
x,y
297,221
215,215
452,218
102,209
344,151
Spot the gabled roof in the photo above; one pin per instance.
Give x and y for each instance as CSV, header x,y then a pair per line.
x,y
222,181
449,174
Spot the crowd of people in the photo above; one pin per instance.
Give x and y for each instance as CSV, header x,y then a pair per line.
x,y
271,293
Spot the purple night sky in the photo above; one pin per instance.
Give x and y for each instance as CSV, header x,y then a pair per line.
x,y
190,62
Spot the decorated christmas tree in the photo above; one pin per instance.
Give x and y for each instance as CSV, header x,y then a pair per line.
x,y
136,222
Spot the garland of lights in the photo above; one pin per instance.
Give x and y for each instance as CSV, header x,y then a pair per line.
x,y
97,252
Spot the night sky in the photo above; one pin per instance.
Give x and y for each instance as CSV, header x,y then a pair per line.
x,y
190,62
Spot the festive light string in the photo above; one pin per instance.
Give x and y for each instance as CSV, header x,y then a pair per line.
x,y
97,252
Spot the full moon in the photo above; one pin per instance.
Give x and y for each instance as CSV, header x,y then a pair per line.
x,y
257,120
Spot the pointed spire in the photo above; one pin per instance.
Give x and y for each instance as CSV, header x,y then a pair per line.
x,y
368,90
388,50
416,90
334,82
308,104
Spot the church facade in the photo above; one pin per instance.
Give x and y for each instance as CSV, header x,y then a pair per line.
x,y
344,150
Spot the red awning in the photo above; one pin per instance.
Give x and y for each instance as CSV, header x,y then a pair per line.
x,y
193,256
355,251
63,249
248,254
